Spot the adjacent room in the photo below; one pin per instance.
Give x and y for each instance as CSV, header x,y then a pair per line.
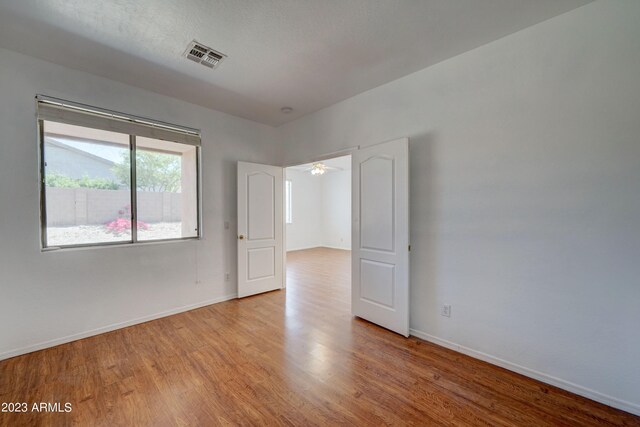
x,y
363,212
318,205
318,228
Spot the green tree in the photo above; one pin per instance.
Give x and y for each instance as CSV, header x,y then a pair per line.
x,y
53,179
158,172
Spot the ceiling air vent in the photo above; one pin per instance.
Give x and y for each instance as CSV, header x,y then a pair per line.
x,y
197,52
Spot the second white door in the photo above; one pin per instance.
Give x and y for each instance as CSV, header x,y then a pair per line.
x,y
380,235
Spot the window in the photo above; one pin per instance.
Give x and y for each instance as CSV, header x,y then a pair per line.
x,y
288,206
112,179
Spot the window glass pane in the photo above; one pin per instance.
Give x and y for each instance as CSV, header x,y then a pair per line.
x,y
288,207
167,189
87,193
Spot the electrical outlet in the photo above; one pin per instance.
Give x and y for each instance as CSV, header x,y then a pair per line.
x,y
445,310
226,277
226,225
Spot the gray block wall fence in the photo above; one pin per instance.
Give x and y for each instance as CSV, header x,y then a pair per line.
x,y
68,207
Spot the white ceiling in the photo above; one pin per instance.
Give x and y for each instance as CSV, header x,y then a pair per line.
x,y
306,54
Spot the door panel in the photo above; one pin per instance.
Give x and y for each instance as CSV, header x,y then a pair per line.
x,y
261,263
377,203
260,234
380,232
378,284
260,202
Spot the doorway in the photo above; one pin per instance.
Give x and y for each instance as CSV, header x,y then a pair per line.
x,y
318,228
379,215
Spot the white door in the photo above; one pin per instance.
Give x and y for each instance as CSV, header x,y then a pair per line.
x,y
380,235
260,236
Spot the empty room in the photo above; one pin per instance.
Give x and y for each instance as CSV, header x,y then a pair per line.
x,y
319,212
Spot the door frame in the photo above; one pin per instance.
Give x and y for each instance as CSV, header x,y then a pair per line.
x,y
338,153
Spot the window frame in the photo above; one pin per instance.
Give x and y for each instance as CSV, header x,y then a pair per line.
x,y
133,241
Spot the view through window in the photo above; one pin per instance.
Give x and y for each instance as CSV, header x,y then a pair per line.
x,y
89,175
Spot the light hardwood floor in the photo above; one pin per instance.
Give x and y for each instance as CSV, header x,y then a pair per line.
x,y
294,357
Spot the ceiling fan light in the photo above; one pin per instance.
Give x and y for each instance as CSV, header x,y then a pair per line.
x,y
318,169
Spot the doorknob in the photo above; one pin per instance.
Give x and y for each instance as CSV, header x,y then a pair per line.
x,y
241,237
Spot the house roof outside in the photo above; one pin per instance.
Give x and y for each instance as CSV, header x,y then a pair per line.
x,y
77,159
98,152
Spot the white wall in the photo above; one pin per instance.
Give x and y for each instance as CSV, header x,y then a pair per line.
x,y
525,196
336,210
50,297
321,210
306,197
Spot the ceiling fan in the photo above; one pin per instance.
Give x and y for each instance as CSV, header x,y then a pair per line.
x,y
320,168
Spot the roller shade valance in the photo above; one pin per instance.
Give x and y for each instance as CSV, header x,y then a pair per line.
x,y
61,111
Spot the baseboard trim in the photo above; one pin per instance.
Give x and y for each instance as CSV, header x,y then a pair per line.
x,y
318,246
531,373
74,337
335,247
303,248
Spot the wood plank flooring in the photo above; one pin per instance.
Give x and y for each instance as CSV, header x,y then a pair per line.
x,y
293,357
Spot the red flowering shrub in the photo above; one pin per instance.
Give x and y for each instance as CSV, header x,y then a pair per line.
x,y
122,225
